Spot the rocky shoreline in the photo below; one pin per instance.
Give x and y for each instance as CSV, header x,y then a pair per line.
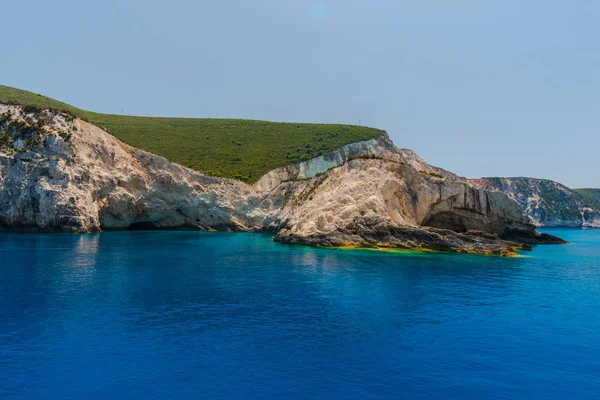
x,y
548,203
65,175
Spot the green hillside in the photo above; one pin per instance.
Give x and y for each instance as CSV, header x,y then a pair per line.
x,y
591,195
232,148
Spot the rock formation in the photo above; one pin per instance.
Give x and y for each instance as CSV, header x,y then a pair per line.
x,y
58,173
547,202
383,203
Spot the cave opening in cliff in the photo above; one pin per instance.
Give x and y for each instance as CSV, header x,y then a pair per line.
x,y
143,226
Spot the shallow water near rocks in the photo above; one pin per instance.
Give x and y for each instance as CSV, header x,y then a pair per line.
x,y
186,315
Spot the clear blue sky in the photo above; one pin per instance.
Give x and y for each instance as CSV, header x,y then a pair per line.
x,y
502,88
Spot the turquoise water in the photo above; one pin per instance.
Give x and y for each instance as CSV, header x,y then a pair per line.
x,y
185,315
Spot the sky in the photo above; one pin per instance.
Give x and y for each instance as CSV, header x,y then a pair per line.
x,y
503,88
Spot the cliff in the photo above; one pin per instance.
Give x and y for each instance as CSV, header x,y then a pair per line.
x,y
387,204
238,149
59,173
547,202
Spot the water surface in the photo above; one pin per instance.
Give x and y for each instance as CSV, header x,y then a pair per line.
x,y
186,315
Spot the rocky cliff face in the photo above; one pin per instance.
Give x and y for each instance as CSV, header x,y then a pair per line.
x,y
63,174
67,175
379,147
383,203
547,202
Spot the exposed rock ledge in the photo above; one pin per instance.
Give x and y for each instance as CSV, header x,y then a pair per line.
x,y
72,176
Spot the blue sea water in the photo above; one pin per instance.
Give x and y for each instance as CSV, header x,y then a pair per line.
x,y
186,315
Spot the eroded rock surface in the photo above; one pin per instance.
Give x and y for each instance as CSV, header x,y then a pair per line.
x,y
548,203
63,174
73,176
382,203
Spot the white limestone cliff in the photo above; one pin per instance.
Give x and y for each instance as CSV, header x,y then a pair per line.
x,y
68,175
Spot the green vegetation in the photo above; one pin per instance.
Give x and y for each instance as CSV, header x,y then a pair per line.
x,y
30,131
432,174
231,148
591,195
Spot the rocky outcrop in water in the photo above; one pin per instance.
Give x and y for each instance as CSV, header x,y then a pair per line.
x,y
383,203
547,202
63,174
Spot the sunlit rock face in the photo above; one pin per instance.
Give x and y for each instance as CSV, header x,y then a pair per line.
x,y
381,203
73,176
380,147
547,202
63,174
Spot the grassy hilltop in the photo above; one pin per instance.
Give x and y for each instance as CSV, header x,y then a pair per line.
x,y
231,148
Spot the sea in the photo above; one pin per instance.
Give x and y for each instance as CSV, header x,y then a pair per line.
x,y
197,315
